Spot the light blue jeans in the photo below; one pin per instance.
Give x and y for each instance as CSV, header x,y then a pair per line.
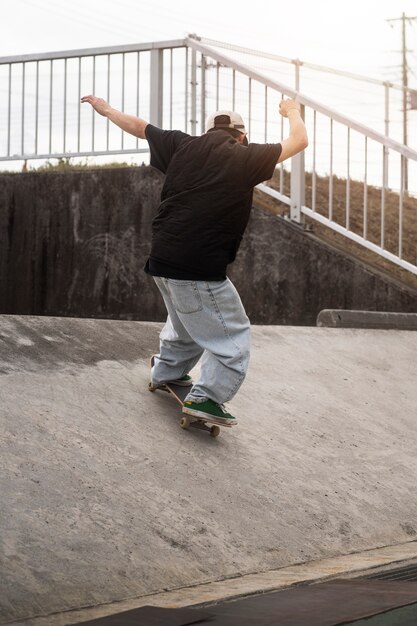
x,y
205,320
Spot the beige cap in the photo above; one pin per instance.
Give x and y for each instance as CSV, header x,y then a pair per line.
x,y
226,119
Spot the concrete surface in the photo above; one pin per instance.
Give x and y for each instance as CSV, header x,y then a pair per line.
x,y
105,498
350,566
339,318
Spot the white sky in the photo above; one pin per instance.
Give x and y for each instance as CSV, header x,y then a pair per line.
x,y
348,35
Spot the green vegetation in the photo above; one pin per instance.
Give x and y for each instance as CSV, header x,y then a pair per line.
x,y
65,164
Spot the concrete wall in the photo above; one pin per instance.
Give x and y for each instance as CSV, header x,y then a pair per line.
x,y
74,244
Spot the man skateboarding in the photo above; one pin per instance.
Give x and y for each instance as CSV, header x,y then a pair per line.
x,y
205,205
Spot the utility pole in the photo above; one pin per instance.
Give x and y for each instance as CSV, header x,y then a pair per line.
x,y
404,18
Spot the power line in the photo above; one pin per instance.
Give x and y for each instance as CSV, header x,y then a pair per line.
x,y
87,19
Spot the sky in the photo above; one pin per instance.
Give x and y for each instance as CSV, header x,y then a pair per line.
x,y
350,35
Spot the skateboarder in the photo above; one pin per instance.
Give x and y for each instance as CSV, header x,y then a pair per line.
x,y
205,205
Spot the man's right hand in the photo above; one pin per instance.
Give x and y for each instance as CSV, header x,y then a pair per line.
x,y
101,106
287,105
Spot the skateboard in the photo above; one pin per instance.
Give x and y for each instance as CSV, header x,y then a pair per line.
x,y
180,393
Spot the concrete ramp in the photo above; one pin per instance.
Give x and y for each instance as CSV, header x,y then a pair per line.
x,y
104,497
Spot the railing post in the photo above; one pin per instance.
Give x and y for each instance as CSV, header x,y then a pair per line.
x,y
385,161
297,64
297,190
203,94
193,92
157,82
386,108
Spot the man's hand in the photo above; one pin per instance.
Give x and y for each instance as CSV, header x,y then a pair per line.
x,y
129,123
98,104
288,105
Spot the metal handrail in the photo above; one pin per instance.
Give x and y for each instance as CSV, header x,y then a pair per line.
x,y
195,43
305,100
90,52
299,62
369,245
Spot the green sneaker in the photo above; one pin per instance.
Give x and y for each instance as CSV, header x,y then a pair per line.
x,y
209,410
184,381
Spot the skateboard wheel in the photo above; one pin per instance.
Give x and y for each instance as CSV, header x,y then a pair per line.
x,y
185,422
151,387
214,431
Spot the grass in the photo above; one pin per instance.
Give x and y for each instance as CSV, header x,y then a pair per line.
x,y
66,165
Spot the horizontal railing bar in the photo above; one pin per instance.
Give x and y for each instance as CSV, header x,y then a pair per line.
x,y
64,155
86,52
288,91
311,66
343,231
360,240
274,193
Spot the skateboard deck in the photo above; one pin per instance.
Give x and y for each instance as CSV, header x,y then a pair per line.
x,y
180,392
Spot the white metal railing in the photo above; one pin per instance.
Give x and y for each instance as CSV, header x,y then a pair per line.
x,y
407,94
174,85
41,116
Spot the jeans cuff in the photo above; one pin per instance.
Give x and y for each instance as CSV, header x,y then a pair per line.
x,y
195,399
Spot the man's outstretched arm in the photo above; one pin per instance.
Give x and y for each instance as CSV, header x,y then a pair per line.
x,y
297,141
131,124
